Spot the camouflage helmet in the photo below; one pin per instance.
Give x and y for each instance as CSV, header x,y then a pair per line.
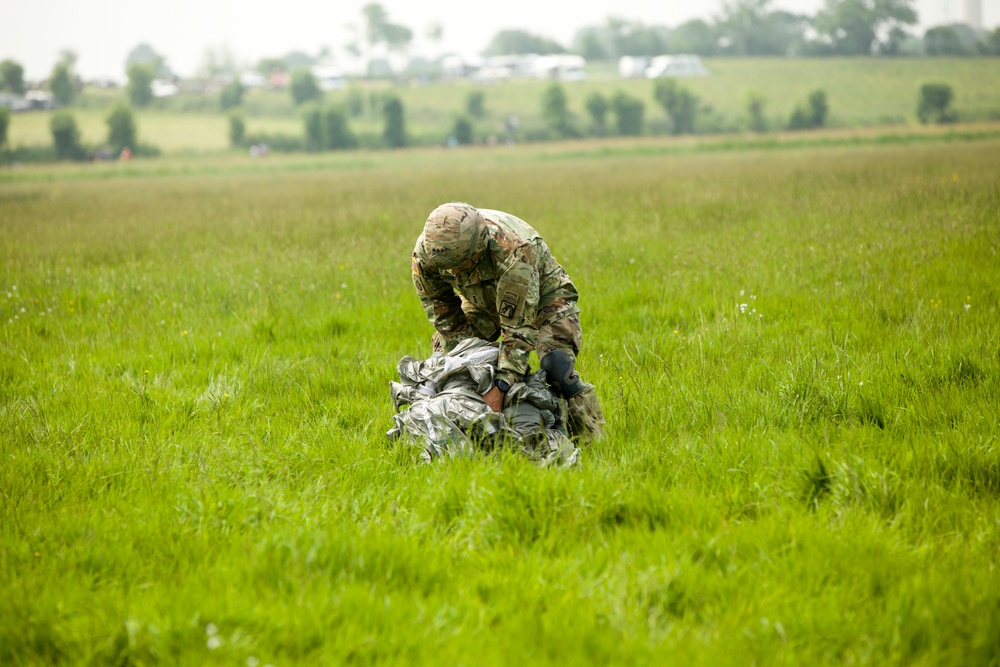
x,y
453,233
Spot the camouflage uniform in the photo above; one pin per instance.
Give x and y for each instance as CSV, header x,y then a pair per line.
x,y
509,286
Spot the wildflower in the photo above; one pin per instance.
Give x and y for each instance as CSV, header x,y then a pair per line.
x,y
184,333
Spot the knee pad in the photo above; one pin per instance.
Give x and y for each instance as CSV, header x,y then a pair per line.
x,y
559,367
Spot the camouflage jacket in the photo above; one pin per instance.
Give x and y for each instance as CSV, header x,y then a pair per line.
x,y
514,289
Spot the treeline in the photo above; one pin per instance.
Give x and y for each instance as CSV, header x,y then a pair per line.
x,y
755,28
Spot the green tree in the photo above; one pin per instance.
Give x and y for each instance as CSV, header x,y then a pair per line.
x,y
394,131
590,47
812,115
122,131
231,95
629,113
61,83
66,136
144,54
818,108
140,85
304,88
852,27
12,74
519,42
312,120
678,102
933,105
632,38
695,36
462,130
597,106
755,109
380,31
555,110
4,124
337,134
237,129
475,104
992,42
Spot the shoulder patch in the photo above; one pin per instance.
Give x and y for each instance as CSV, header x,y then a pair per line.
x,y
511,304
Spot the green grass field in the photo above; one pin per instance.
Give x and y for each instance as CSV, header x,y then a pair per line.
x,y
798,352
862,92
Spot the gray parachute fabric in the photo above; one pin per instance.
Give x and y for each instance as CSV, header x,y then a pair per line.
x,y
447,415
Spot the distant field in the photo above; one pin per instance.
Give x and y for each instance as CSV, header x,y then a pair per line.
x,y
861,92
798,350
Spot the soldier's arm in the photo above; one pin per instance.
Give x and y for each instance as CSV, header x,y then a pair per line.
x,y
517,306
442,306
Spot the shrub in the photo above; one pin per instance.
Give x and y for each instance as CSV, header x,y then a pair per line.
x,y
555,111
935,98
61,83
475,104
597,106
679,103
629,113
121,127
818,108
237,129
231,95
336,133
66,136
812,115
304,88
4,124
394,114
312,119
462,130
140,85
800,119
755,108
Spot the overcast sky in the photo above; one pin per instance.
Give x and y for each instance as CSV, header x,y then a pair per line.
x,y
101,32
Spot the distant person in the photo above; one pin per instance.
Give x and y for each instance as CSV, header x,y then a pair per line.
x,y
126,154
487,274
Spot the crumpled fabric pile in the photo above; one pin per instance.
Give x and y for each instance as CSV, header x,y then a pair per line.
x,y
447,416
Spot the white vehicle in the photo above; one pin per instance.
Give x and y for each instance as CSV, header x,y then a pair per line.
x,y
329,78
560,67
632,67
162,88
679,65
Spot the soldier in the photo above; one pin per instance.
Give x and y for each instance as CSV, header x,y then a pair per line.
x,y
487,274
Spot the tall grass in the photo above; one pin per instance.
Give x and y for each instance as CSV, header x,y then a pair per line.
x,y
798,353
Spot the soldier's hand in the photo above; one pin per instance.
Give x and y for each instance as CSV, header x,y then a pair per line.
x,y
494,399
